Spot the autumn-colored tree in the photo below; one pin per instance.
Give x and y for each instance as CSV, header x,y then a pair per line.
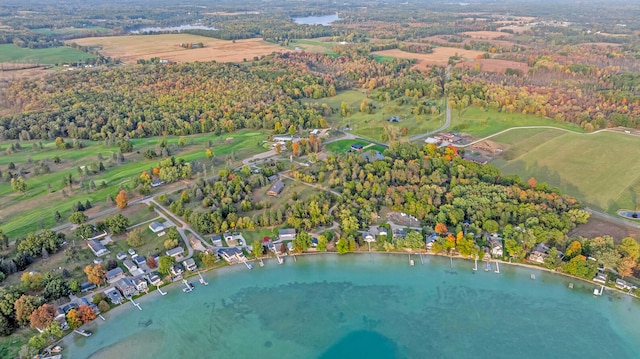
x,y
625,266
532,182
295,147
103,306
156,171
73,319
209,153
152,263
86,314
145,178
95,273
25,306
574,249
278,148
43,316
122,199
440,228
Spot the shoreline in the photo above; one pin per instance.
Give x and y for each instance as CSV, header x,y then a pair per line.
x,y
145,298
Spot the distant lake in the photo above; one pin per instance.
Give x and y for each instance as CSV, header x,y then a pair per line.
x,y
171,28
325,20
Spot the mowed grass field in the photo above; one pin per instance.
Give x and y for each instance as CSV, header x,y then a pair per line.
x,y
343,146
481,122
130,48
316,45
53,55
373,125
20,214
600,169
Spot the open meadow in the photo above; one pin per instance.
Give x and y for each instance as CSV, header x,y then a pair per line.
x,y
372,125
46,193
601,169
50,56
130,48
440,56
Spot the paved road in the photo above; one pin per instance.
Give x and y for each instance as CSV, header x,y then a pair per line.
x,y
613,219
447,115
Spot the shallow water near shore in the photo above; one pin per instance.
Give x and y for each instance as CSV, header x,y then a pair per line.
x,y
370,306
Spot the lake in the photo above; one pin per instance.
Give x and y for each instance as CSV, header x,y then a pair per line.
x,y
325,20
370,306
171,28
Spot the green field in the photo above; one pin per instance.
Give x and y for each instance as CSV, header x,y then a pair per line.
x,y
53,55
602,169
313,46
72,30
20,214
373,125
343,146
484,122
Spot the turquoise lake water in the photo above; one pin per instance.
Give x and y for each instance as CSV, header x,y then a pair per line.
x,y
370,306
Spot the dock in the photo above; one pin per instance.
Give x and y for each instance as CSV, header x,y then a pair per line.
x,y
84,333
161,292
261,263
202,281
135,304
475,267
411,263
188,286
497,268
598,293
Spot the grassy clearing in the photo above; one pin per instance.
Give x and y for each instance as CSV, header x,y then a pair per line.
x,y
72,30
259,234
373,125
313,46
53,55
20,214
10,346
381,58
344,145
602,169
484,122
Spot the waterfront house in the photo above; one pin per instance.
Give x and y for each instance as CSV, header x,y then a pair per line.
x,y
378,231
140,283
276,188
130,265
231,255
368,237
114,274
177,270
537,257
176,253
94,307
600,278
624,285
190,265
97,248
156,227
114,296
287,234
126,287
399,233
495,244
430,240
154,278
139,260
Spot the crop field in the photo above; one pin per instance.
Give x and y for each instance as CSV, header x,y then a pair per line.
x,y
601,169
373,125
20,214
481,122
440,55
130,48
52,55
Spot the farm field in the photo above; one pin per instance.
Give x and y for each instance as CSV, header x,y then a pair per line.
x,y
131,48
20,214
53,55
440,56
481,122
494,65
601,169
373,125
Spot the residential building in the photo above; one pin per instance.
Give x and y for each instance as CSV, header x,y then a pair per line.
x,y
140,283
114,274
624,285
126,287
176,253
86,286
287,234
139,260
156,227
495,244
97,248
272,178
231,255
276,188
156,183
121,255
399,233
154,278
130,265
190,265
177,270
217,240
114,295
600,278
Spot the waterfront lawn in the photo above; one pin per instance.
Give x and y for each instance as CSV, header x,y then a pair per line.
x,y
259,234
481,122
152,245
21,214
602,169
51,55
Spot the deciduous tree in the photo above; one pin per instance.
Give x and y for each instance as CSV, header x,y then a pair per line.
x,y
122,199
95,273
42,316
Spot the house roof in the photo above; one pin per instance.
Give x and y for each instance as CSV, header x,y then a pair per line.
x,y
287,231
272,178
139,259
357,146
96,246
277,187
125,282
129,264
189,262
156,226
114,272
230,251
175,251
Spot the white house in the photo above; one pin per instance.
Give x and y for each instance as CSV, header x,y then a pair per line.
x,y
176,252
190,264
287,234
97,248
495,242
156,227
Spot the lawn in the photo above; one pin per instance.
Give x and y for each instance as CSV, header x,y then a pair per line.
x,y
343,146
52,55
10,346
373,125
313,46
485,122
20,214
602,170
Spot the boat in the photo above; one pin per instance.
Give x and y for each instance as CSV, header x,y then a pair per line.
x,y
84,333
187,289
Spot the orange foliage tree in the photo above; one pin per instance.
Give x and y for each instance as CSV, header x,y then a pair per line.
x,y
532,182
295,147
441,228
73,319
95,273
122,199
86,314
43,316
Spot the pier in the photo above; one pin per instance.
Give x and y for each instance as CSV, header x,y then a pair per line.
x,y
411,263
597,292
280,260
135,304
497,268
475,267
101,317
261,263
202,281
84,333
421,259
188,286
161,292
